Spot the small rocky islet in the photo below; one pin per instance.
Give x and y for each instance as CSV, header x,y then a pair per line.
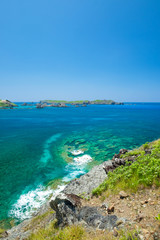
x,y
90,207
7,104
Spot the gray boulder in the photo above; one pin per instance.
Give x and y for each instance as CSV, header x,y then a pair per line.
x,y
66,207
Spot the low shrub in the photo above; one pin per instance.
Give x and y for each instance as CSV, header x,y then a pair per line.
x,y
145,171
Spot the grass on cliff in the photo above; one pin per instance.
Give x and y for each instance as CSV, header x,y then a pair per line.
x,y
77,232
144,172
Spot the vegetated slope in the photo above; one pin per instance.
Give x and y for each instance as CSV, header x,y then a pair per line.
x,y
144,172
97,102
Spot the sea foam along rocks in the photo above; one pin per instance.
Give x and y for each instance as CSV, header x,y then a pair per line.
x,y
77,152
83,159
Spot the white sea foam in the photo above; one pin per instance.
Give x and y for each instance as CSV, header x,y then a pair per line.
x,y
83,159
77,167
77,152
70,176
30,202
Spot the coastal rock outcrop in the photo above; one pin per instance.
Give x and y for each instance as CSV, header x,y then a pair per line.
x,y
66,207
86,183
69,211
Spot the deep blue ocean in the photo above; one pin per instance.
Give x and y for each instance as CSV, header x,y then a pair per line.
x,y
36,145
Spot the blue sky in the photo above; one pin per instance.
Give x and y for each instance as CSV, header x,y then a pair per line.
x,y
80,49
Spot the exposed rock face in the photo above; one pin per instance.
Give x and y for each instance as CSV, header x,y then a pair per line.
x,y
86,183
118,161
69,211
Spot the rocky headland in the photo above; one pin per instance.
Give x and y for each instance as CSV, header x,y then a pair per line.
x,y
118,199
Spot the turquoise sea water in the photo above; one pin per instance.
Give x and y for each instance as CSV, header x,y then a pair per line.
x,y
35,147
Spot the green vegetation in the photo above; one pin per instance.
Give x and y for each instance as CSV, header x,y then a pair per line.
x,y
108,102
39,221
63,101
158,217
145,146
134,152
144,172
78,102
51,232
77,232
6,104
54,101
1,232
128,235
102,101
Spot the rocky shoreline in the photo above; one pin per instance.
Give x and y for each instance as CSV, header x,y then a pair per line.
x,y
75,204
75,189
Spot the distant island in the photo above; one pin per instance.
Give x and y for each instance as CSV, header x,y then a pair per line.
x,y
7,104
80,103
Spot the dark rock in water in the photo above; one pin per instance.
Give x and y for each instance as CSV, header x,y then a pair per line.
x,y
69,211
27,104
24,104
